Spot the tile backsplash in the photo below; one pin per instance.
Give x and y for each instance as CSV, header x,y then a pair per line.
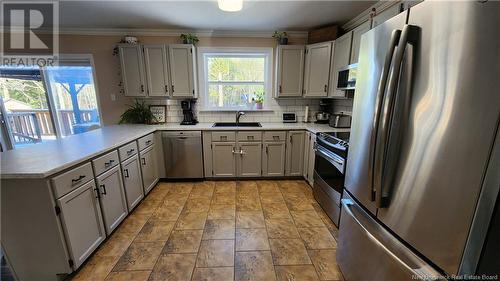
x,y
274,109
272,112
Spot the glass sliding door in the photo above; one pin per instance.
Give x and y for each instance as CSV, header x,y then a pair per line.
x,y
24,107
38,105
73,94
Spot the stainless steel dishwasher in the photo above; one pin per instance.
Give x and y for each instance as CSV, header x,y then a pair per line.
x,y
183,154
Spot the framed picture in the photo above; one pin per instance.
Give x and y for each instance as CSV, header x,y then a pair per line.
x,y
160,112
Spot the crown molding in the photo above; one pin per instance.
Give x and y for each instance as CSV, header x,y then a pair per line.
x,y
173,32
365,15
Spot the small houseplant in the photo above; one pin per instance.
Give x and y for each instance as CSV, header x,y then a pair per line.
x,y
138,113
281,36
259,100
189,38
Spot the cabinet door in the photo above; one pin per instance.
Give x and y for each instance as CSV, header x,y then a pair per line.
x,y
132,180
155,57
312,155
356,40
290,70
340,59
181,70
223,159
112,198
132,67
387,14
249,159
149,168
317,69
273,159
307,139
295,153
82,222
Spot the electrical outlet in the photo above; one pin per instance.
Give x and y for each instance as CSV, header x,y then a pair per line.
x,y
113,97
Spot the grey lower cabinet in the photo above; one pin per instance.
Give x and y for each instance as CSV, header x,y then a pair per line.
x,y
295,153
273,159
249,157
82,222
112,198
132,180
311,158
149,168
224,159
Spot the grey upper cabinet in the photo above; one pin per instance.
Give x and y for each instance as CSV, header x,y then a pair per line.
x,y
82,222
290,71
132,68
340,59
388,13
273,159
156,65
181,59
249,159
149,168
112,198
132,180
224,159
317,69
295,153
356,40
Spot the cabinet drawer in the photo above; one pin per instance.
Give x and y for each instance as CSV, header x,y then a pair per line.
x,y
105,162
249,136
223,136
146,141
275,136
127,151
72,179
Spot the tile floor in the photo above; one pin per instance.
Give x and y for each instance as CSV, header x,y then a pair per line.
x,y
221,230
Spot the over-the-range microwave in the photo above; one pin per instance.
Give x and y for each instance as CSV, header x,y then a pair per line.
x,y
347,77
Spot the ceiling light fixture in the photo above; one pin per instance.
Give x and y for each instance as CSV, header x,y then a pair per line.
x,y
230,5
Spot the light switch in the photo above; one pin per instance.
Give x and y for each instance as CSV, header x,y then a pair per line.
x,y
113,97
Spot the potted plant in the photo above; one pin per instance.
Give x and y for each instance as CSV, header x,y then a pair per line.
x,y
189,38
259,100
281,36
138,113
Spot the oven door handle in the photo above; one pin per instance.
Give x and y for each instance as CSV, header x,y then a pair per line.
x,y
319,151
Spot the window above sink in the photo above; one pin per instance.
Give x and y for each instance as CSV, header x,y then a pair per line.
x,y
231,79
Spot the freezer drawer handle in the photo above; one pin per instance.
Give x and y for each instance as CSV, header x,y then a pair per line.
x,y
408,259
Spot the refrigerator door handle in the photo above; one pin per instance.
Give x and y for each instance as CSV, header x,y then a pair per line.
x,y
382,160
378,102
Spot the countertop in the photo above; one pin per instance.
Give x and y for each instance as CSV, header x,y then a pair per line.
x,y
46,159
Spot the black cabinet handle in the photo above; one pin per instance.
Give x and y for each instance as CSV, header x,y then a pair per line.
x,y
97,193
143,161
81,177
107,164
126,173
130,151
142,88
103,189
173,88
166,88
279,90
326,87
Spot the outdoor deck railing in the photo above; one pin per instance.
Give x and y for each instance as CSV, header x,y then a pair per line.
x,y
30,125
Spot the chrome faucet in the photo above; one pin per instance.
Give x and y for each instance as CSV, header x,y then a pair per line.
x,y
238,116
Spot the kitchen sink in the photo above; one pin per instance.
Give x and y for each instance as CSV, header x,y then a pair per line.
x,y
234,124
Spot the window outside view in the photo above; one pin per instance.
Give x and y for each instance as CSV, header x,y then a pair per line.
x,y
25,102
235,81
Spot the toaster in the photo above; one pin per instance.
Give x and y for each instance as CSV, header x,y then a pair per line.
x,y
340,120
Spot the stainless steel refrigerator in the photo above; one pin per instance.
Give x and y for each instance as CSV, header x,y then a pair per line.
x,y
423,168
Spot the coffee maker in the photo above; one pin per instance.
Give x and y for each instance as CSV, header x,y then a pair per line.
x,y
323,115
188,111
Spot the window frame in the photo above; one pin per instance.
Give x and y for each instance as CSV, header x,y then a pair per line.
x,y
203,52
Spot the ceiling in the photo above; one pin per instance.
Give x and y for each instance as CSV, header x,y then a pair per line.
x,y
205,15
